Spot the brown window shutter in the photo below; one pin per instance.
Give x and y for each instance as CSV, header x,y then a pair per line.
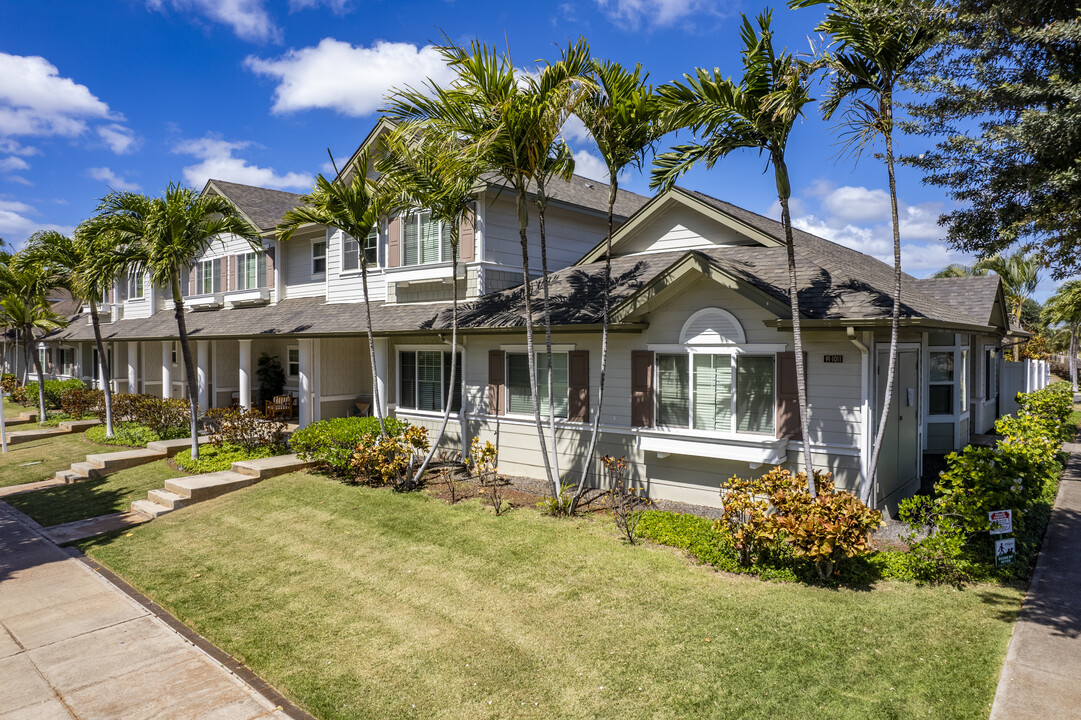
x,y
193,288
578,385
497,387
270,267
642,388
467,237
394,243
230,273
788,424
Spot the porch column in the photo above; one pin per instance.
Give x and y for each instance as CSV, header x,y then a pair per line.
x,y
305,382
202,366
382,363
167,369
101,367
133,364
245,374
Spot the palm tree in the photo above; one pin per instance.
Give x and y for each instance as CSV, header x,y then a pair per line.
x,y
878,41
504,121
620,114
1065,307
354,209
421,170
86,266
1020,275
757,113
167,235
26,306
959,270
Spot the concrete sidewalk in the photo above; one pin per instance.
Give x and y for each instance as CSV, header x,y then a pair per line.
x,y
72,645
1041,678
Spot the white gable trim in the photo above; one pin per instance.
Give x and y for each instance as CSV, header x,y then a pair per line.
x,y
712,326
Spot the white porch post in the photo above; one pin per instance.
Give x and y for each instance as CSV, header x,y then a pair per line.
x,y
245,374
101,367
202,366
305,382
167,369
382,363
133,364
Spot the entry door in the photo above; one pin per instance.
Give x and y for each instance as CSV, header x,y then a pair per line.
x,y
898,463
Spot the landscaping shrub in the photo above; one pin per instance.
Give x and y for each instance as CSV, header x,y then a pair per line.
x,y
129,434
482,464
950,542
393,459
216,458
333,442
167,418
248,429
81,403
27,395
8,382
623,499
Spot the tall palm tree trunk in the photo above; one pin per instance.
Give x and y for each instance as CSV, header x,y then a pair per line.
x,y
613,187
453,356
523,216
783,192
189,366
371,348
871,499
106,371
36,357
542,204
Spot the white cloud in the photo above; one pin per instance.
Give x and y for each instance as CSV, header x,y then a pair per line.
x,y
338,7
574,130
858,203
249,19
349,79
219,162
114,181
18,179
15,227
631,14
120,139
589,165
36,100
12,163
11,147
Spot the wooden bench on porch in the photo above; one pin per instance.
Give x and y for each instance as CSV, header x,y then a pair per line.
x,y
280,406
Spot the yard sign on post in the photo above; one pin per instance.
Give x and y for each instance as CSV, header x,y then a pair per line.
x,y
1001,524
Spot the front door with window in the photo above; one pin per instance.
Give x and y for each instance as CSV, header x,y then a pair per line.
x,y
898,462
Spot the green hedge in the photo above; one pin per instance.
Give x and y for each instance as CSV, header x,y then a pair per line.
x,y
127,435
332,442
27,395
216,458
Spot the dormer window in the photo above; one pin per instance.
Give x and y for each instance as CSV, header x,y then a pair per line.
x,y
208,277
351,250
250,271
135,286
425,240
319,257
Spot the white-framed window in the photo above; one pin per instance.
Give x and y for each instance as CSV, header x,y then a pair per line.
x,y
351,251
519,397
250,271
319,257
66,361
942,378
293,361
990,373
963,379
425,240
174,354
423,379
208,277
135,286
716,392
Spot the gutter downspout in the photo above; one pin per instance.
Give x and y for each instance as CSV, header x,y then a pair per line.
x,y
865,411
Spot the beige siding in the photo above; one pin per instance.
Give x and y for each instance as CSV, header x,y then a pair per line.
x,y
570,234
679,228
296,259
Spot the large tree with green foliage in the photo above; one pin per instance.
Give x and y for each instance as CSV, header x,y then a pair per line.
x,y
1064,307
167,235
1000,96
757,113
24,305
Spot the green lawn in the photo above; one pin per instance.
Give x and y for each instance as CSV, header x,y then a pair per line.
x,y
14,410
94,497
40,459
363,603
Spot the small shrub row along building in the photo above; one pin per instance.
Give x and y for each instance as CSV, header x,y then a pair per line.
x,y
701,380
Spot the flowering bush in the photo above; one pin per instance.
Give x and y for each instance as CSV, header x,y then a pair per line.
x,y
332,443
393,459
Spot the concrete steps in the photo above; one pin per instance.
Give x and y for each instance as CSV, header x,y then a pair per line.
x,y
123,459
171,447
183,491
99,464
64,428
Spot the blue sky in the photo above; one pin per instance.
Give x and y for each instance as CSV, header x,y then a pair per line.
x,y
133,94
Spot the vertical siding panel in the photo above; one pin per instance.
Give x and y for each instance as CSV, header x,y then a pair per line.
x,y
497,388
578,385
270,268
467,237
642,388
394,243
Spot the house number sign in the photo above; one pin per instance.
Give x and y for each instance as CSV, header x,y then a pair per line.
x,y
833,358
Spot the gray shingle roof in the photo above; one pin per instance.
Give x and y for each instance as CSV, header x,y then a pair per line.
x,y
264,206
973,296
586,193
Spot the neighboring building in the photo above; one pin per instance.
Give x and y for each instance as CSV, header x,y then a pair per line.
x,y
700,382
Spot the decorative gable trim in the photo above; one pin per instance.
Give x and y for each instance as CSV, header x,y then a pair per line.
x,y
712,326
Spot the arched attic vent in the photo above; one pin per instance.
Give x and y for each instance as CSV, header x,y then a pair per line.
x,y
712,326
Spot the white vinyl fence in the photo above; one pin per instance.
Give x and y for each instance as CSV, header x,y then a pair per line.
x,y
1021,377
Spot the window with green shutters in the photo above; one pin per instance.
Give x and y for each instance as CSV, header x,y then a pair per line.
x,y
424,377
696,391
519,398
